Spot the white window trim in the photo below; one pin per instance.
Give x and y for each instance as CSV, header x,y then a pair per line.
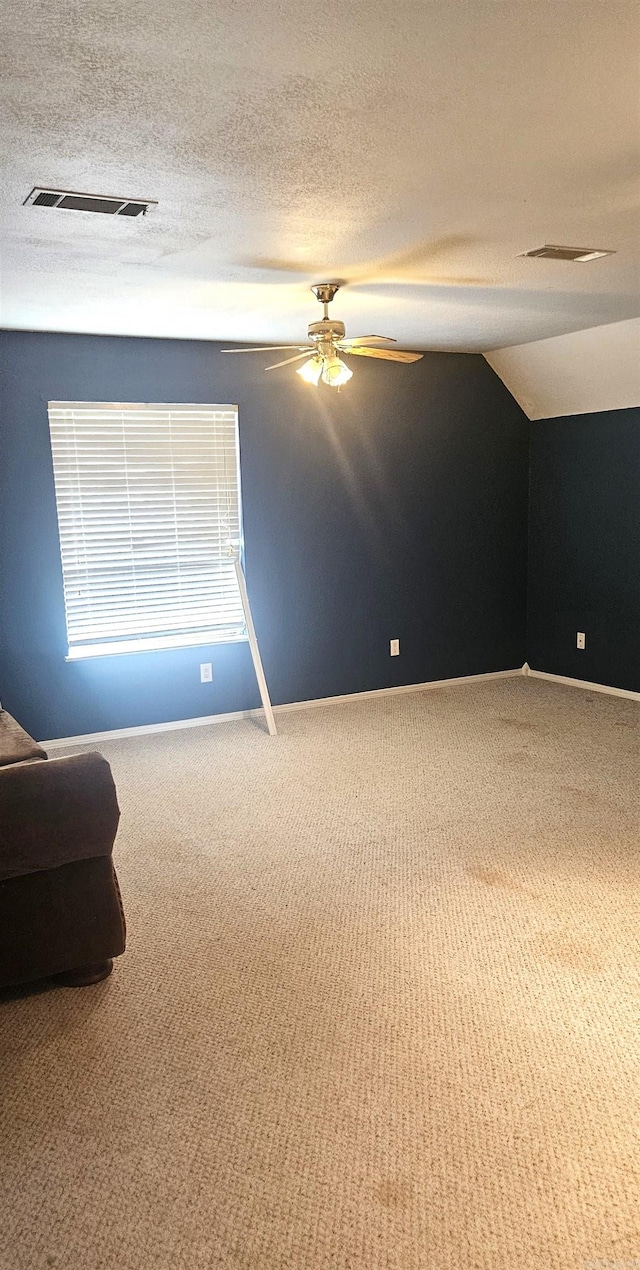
x,y
126,647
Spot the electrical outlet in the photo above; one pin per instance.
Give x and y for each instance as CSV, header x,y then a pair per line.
x,y
581,639
206,672
394,647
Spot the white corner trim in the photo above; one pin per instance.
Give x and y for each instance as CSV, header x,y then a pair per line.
x,y
585,683
91,738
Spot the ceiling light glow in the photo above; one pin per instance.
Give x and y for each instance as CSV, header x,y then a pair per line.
x,y
336,372
311,371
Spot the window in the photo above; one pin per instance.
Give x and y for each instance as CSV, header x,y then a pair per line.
x,y
148,504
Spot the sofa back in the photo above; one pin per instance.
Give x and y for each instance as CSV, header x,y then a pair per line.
x,y
16,746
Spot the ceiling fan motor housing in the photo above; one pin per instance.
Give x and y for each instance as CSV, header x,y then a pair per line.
x,y
326,330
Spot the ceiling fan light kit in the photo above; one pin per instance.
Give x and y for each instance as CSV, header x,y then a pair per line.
x,y
311,371
327,340
336,372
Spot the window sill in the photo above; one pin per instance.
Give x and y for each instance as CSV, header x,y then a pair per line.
x,y
125,648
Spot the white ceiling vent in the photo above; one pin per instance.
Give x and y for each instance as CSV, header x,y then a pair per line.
x,y
71,200
551,251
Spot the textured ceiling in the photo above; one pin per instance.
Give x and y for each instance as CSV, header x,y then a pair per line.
x,y
411,149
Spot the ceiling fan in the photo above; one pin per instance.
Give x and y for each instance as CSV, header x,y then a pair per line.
x,y
321,355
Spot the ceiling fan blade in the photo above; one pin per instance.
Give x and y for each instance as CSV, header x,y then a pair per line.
x,y
265,348
367,339
308,352
388,354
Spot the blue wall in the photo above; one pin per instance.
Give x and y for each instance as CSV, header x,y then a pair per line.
x,y
584,547
396,508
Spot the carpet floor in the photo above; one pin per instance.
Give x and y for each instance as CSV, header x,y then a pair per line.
x,y
379,1010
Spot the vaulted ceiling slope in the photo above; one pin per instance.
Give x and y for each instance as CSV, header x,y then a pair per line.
x,y
413,150
580,373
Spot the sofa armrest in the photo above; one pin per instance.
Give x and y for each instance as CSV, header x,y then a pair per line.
x,y
54,812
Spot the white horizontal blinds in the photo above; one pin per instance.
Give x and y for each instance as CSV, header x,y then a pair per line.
x,y
148,503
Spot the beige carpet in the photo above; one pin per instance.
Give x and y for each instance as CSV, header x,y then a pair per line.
x,y
380,1008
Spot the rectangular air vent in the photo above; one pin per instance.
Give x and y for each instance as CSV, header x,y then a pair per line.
x,y
70,200
551,251
44,200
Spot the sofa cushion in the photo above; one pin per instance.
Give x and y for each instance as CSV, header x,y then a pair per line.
x,y
16,744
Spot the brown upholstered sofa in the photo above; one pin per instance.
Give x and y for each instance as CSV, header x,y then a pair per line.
x,y
60,908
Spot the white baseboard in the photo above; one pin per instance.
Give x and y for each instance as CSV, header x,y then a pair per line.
x,y
583,683
90,738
